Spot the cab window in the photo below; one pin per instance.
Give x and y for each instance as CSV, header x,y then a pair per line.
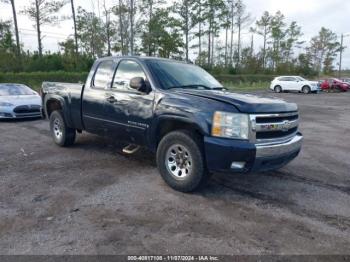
x,y
104,74
127,70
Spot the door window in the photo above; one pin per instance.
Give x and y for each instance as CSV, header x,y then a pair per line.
x,y
104,74
287,79
283,79
127,70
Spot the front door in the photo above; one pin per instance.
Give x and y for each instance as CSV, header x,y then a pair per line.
x,y
129,110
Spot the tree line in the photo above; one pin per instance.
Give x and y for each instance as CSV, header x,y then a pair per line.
x,y
206,32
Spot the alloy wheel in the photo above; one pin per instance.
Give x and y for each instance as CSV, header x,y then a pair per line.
x,y
179,161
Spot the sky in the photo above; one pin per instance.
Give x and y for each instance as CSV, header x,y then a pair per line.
x,y
311,15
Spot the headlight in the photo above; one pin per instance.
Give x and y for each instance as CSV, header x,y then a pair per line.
x,y
230,125
5,104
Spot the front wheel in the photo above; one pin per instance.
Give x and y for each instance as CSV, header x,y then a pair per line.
x,y
61,133
306,90
180,161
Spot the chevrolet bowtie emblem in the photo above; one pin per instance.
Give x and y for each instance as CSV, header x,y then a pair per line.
x,y
286,125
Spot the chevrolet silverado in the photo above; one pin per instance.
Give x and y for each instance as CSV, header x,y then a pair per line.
x,y
179,112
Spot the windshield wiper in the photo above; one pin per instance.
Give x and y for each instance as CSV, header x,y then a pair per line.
x,y
219,88
194,86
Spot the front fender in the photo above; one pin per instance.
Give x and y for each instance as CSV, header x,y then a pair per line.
x,y
181,112
180,121
193,111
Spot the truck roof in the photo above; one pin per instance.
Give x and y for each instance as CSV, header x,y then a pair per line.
x,y
143,58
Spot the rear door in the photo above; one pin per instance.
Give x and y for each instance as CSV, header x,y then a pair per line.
x,y
129,110
94,97
284,83
293,84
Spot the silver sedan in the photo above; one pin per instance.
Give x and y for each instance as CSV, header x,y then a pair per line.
x,y
19,101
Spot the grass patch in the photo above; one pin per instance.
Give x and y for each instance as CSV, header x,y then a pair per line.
x,y
246,86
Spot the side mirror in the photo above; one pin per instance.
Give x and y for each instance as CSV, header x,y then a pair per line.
x,y
139,84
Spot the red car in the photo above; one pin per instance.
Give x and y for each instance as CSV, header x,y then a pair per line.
x,y
334,84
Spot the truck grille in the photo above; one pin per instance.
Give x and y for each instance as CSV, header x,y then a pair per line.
x,y
274,127
275,134
263,119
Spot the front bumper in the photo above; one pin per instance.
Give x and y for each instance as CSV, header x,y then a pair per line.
x,y
221,154
21,111
315,88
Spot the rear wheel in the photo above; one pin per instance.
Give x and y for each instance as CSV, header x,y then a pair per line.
x,y
340,89
61,133
181,161
278,89
306,90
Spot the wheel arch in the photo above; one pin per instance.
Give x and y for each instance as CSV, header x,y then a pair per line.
x,y
52,104
277,85
57,103
169,124
306,86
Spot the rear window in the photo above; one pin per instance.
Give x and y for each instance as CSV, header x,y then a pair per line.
x,y
15,90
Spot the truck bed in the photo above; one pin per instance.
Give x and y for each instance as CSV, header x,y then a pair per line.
x,y
71,94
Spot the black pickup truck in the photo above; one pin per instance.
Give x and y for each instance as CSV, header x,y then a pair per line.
x,y
178,111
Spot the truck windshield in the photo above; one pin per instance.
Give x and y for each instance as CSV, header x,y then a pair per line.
x,y
180,75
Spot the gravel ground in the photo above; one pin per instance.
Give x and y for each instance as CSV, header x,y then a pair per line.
x,y
91,199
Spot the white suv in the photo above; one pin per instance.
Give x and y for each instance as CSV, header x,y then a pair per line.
x,y
293,83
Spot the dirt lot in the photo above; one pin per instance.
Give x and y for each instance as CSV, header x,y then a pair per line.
x,y
91,199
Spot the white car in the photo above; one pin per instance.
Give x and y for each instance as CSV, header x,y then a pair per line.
x,y
293,83
346,80
19,101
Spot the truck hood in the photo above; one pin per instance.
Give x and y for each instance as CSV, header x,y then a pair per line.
x,y
243,102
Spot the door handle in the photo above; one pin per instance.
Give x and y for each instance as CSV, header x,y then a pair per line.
x,y
111,99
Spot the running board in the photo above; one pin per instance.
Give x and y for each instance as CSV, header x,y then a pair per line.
x,y
131,149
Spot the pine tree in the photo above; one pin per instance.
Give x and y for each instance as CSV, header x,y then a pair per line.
x,y
14,15
43,12
263,28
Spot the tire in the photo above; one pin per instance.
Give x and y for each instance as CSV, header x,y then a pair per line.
x,y
278,89
306,89
181,161
62,135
